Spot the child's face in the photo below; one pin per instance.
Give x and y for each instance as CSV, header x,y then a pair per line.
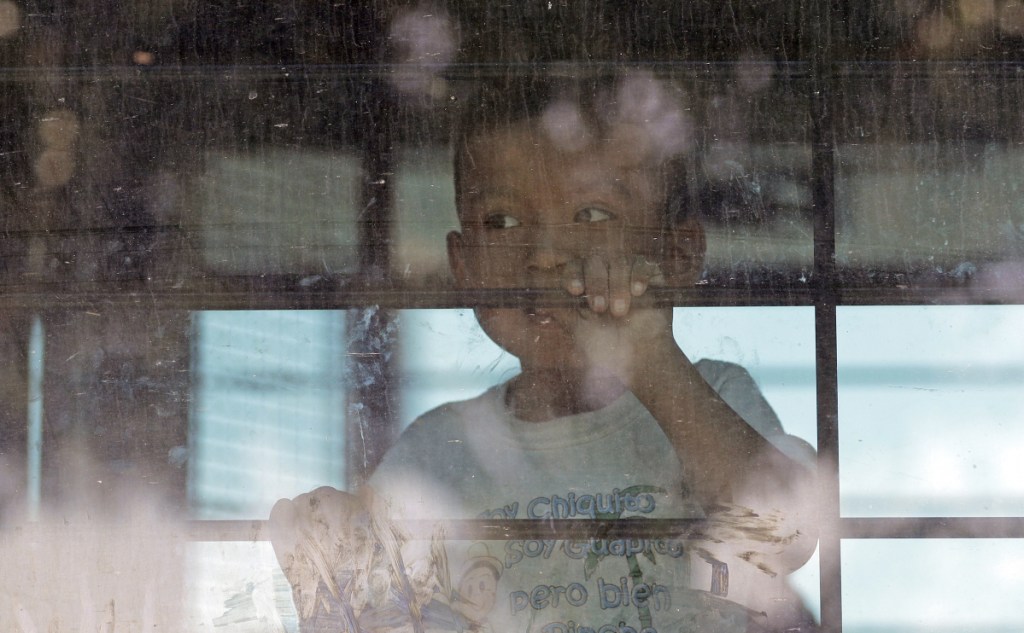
x,y
532,212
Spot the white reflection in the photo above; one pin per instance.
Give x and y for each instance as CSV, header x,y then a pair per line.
x,y
650,116
999,282
564,125
86,566
10,18
425,35
424,214
446,358
936,31
237,587
277,211
1010,466
54,168
267,414
58,129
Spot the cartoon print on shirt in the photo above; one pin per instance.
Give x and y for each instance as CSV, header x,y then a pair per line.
x,y
477,590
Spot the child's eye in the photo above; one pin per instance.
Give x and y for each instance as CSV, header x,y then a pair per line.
x,y
500,221
593,214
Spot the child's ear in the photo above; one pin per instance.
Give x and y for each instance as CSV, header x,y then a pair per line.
x,y
457,259
685,246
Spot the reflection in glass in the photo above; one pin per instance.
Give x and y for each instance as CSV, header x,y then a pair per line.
x,y
279,212
267,419
940,209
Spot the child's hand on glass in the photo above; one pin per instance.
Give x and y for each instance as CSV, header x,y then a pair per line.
x,y
617,330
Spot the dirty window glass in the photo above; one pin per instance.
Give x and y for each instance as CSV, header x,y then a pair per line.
x,y
470,316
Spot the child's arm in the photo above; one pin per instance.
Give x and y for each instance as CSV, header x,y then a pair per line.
x,y
725,460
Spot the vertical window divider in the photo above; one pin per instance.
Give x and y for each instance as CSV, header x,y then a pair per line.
x,y
371,409
822,106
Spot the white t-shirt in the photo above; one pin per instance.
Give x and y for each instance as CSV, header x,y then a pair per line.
x,y
472,459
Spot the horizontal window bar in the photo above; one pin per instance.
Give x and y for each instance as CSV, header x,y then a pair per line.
x,y
485,529
261,296
798,69
512,529
336,72
932,527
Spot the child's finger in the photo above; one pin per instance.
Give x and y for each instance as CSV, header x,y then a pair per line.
x,y
619,286
639,276
595,277
572,277
645,273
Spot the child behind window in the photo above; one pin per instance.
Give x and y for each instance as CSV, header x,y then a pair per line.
x,y
576,186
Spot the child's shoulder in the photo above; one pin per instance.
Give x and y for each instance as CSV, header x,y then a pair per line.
x,y
440,435
719,372
734,384
451,417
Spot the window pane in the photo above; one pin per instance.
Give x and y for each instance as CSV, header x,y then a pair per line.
x,y
938,209
278,211
447,357
776,345
927,187
932,585
179,177
930,410
268,414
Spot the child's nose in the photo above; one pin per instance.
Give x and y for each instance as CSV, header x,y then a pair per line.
x,y
546,251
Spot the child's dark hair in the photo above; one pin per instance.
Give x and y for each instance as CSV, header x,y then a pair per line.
x,y
496,103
